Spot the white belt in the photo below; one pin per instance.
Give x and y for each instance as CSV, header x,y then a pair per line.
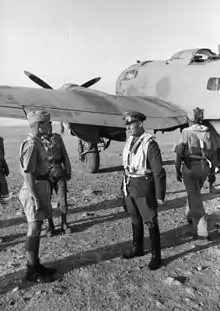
x,y
138,175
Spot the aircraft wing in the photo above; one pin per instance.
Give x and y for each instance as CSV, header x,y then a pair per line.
x,y
87,106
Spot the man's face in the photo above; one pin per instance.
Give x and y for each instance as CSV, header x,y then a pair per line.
x,y
134,126
44,127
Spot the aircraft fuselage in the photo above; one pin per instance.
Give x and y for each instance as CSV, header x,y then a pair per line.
x,y
191,78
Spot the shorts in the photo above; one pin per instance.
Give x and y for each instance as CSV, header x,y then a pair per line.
x,y
28,202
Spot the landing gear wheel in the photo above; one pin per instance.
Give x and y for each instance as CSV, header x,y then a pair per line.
x,y
89,154
92,159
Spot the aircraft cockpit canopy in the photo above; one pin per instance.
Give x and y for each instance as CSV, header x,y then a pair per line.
x,y
193,56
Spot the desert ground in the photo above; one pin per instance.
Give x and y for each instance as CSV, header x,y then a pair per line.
x,y
92,275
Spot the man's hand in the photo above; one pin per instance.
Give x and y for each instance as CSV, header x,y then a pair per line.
x,y
160,202
179,176
36,203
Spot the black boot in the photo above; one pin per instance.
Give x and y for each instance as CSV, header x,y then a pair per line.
x,y
44,271
31,247
155,261
138,242
51,228
38,273
35,271
65,228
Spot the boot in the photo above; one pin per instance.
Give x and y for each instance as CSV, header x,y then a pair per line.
x,y
35,271
51,228
38,273
138,242
44,271
65,228
154,234
31,247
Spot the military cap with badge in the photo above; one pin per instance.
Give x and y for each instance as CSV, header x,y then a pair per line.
x,y
133,116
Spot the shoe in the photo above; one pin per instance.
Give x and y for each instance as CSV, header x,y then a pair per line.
x,y
31,275
44,271
39,274
155,261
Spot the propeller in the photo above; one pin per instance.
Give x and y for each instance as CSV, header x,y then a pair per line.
x,y
67,86
43,84
37,80
90,82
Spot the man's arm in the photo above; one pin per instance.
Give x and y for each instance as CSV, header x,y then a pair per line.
x,y
156,165
5,168
180,152
30,182
29,162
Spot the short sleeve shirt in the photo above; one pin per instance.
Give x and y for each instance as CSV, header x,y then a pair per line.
x,y
33,156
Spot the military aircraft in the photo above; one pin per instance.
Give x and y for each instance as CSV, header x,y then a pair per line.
x,y
189,79
93,116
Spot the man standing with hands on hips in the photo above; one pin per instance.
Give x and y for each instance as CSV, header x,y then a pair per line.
x,y
144,186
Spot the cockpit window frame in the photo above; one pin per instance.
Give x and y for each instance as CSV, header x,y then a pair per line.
x,y
213,84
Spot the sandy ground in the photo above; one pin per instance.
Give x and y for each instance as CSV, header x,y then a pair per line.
x,y
91,273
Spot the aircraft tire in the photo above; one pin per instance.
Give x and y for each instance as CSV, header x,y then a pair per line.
x,y
92,160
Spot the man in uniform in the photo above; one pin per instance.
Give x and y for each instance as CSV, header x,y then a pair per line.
x,y
4,171
59,174
194,151
35,192
144,186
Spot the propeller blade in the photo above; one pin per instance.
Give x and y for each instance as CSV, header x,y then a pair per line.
x,y
37,80
91,82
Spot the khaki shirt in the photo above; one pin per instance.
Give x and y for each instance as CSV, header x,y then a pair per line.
x,y
33,157
56,151
191,139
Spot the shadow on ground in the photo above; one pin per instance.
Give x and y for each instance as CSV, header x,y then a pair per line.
x,y
171,238
108,204
112,169
120,168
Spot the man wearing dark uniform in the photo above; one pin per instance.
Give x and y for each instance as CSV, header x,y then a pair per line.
x,y
59,174
35,192
4,171
144,186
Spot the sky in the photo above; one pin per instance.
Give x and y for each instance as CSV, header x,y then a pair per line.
x,y
75,40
